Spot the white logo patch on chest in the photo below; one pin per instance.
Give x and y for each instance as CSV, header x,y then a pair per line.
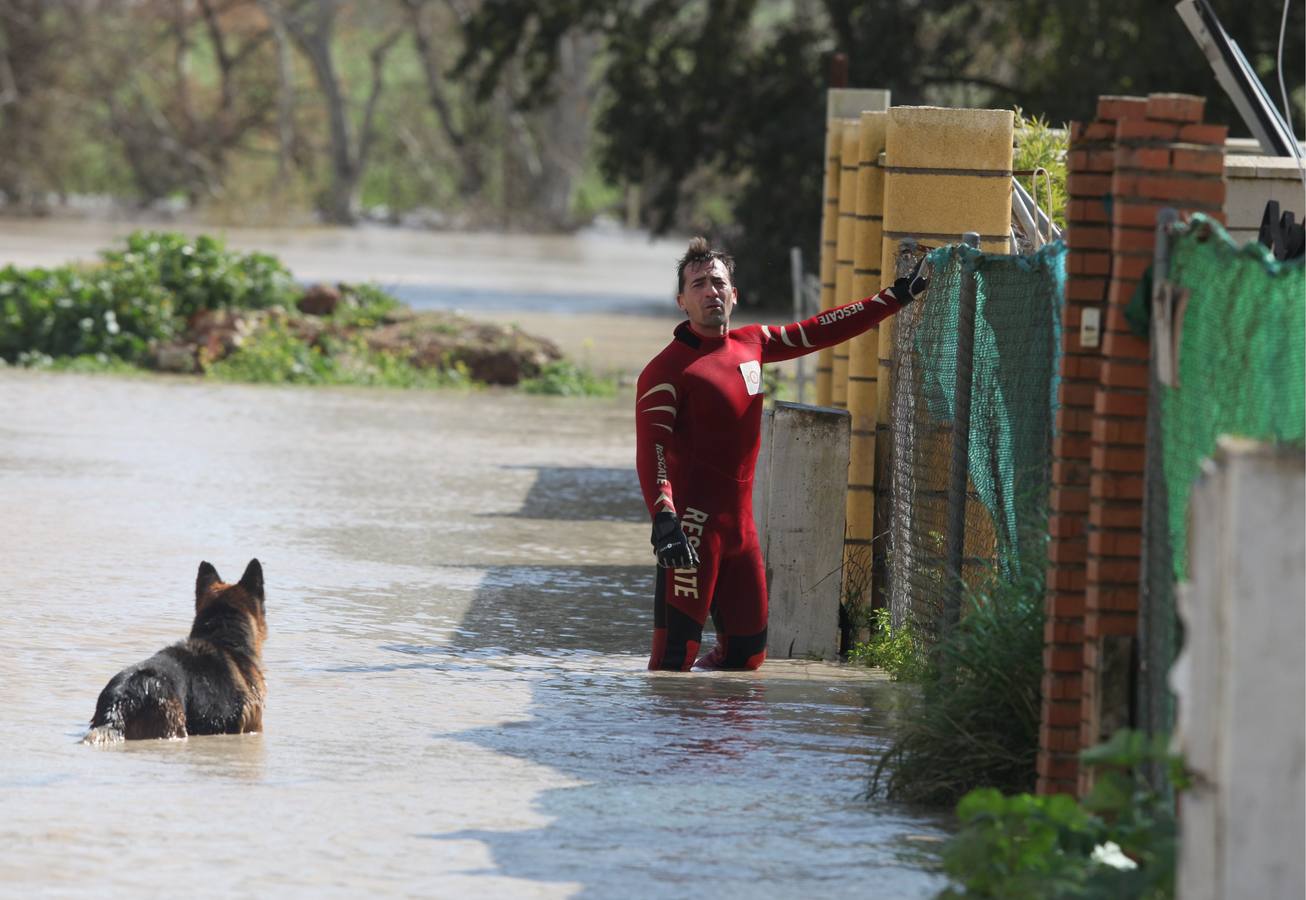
x,y
752,372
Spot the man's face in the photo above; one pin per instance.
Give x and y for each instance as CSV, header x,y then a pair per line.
x,y
708,296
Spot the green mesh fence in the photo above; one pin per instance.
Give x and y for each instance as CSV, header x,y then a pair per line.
x,y
1012,361
1239,356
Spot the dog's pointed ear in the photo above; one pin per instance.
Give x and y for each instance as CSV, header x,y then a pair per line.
x,y
207,577
252,580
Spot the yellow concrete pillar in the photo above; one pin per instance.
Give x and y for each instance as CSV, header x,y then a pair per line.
x,y
841,103
829,242
843,257
863,356
946,172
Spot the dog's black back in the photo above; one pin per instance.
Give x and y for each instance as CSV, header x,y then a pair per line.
x,y
211,683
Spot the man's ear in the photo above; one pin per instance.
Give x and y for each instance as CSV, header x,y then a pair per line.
x,y
680,300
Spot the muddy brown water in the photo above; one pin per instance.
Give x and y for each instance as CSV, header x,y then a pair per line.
x,y
459,612
458,596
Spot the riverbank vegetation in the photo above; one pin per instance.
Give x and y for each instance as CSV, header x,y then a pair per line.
x,y
537,115
171,303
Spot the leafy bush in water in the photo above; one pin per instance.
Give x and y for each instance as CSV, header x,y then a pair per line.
x,y
136,296
1120,842
976,721
363,306
200,273
274,355
115,311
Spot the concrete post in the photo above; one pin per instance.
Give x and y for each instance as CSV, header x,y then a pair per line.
x,y
799,499
1240,678
841,103
844,250
946,172
863,359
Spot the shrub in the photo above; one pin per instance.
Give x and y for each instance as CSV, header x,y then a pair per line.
x,y
200,273
67,312
1120,842
363,306
898,650
273,354
565,378
976,721
1039,145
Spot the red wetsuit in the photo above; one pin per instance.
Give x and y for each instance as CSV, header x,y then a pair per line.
x,y
698,414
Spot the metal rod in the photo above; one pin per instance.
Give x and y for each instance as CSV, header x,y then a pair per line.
x,y
960,463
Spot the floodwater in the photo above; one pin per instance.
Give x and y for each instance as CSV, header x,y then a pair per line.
x,y
458,600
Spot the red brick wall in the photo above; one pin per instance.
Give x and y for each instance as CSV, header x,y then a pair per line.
x,y
1139,156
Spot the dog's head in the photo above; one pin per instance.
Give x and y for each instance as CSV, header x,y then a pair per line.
x,y
245,596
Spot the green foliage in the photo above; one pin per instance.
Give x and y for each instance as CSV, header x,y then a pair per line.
x,y
114,311
364,306
1038,145
136,296
976,721
898,650
200,273
89,364
1120,842
566,379
274,354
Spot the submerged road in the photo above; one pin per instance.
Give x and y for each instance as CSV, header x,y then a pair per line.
x,y
459,615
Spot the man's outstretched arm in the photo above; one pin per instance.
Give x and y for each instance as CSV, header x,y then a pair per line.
x,y
833,326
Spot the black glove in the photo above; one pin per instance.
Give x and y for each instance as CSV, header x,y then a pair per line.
x,y
912,286
670,545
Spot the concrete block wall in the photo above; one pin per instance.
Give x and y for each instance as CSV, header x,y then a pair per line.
x,y
800,513
1253,180
1140,155
1243,822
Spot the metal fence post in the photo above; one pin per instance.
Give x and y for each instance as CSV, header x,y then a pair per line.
x,y
960,463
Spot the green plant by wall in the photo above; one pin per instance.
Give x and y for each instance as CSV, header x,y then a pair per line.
x,y
1120,842
1039,145
976,721
898,650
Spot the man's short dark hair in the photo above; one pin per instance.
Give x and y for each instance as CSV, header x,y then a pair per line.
x,y
700,252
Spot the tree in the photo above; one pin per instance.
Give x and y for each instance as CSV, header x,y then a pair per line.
x,y
180,85
723,100
311,24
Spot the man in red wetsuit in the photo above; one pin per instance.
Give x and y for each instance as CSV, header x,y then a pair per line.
x,y
698,415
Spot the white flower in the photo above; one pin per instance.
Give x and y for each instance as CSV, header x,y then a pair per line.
x,y
1110,854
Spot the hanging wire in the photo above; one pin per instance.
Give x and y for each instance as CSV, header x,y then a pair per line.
x,y
1283,91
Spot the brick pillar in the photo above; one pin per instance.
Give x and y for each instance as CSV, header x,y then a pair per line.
x,y
1166,158
1139,155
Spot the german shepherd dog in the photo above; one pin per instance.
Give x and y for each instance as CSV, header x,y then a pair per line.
x,y
210,683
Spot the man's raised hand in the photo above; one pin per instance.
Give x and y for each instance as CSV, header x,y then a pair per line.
x,y
670,545
911,286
